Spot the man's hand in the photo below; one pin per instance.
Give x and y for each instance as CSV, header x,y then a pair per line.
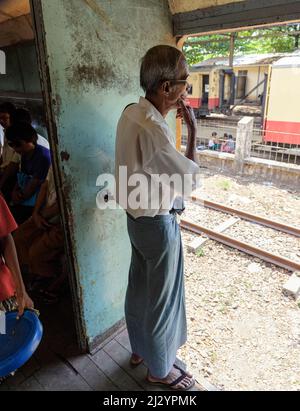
x,y
188,115
40,221
24,301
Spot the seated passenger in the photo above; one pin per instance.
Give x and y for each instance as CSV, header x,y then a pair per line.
x,y
13,295
211,143
22,115
9,159
35,163
40,243
12,290
217,145
229,145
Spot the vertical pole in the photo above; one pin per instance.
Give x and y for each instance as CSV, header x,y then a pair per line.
x,y
243,142
231,51
231,57
180,43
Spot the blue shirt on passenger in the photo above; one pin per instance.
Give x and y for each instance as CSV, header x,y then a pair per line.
x,y
37,164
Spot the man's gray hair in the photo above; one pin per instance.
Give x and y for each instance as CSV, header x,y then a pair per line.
x,y
159,64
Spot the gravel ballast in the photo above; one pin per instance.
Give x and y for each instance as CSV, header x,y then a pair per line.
x,y
243,332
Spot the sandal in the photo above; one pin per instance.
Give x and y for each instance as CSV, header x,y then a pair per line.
x,y
173,384
135,360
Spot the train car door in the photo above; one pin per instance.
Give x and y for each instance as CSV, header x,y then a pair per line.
x,y
205,88
89,61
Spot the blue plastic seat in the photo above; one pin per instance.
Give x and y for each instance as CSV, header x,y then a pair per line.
x,y
21,340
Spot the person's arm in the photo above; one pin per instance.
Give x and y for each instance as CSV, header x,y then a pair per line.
x,y
42,197
40,220
39,174
51,211
191,123
19,195
31,188
16,194
11,260
10,171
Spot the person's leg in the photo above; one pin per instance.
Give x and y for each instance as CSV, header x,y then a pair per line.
x,y
132,320
155,311
176,378
45,251
24,237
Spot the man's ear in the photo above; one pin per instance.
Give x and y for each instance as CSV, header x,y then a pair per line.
x,y
166,87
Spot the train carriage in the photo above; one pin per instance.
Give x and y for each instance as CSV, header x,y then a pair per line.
x,y
216,87
267,85
211,90
282,113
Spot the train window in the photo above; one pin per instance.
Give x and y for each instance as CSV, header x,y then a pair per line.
x,y
241,84
190,90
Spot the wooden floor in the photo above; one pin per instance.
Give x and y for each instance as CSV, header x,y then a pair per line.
x,y
57,365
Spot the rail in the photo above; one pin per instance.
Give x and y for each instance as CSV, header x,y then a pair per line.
x,y
241,246
247,216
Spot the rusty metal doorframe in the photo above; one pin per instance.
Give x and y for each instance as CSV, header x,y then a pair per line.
x,y
49,103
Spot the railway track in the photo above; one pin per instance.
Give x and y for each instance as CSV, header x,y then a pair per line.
x,y
218,233
247,216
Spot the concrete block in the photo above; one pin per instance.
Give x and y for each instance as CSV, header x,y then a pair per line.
x,y
198,242
292,286
227,224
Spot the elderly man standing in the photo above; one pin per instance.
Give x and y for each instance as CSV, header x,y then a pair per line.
x,y
155,303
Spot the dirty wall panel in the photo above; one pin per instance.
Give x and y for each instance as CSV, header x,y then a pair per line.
x,y
22,74
28,61
94,50
12,80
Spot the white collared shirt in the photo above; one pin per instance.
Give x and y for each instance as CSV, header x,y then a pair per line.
x,y
8,154
145,145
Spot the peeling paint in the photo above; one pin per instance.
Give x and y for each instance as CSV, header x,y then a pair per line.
x,y
88,67
101,75
65,156
56,105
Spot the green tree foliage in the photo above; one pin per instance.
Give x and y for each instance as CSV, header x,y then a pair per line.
x,y
259,41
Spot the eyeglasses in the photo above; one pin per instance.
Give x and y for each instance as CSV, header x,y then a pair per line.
x,y
188,86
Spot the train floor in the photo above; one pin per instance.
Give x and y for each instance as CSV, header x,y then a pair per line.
x,y
57,365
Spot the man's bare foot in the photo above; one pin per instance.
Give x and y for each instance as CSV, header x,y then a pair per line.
x,y
135,360
176,380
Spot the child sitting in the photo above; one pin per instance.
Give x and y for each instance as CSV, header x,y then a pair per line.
x,y
13,295
35,163
12,290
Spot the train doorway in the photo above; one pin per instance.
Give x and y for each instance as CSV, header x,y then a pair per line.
x,y
205,89
21,86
